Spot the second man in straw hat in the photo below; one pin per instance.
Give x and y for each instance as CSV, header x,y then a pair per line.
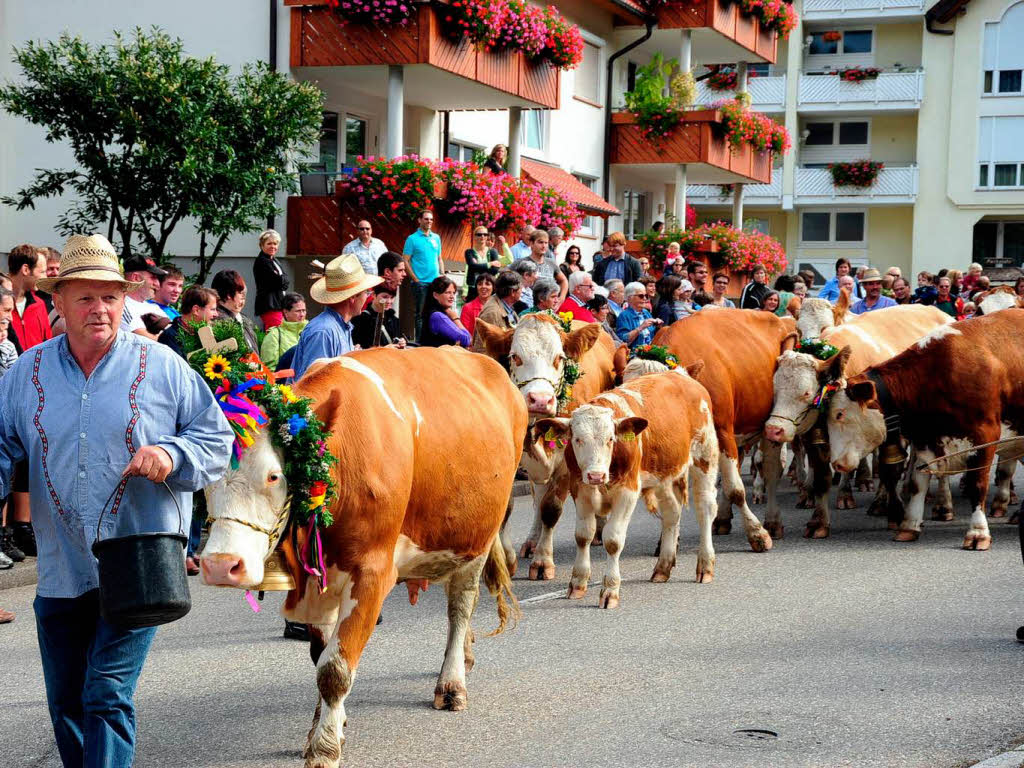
x,y
873,299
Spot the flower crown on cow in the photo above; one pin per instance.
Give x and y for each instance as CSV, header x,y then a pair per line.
x,y
820,350
252,400
657,353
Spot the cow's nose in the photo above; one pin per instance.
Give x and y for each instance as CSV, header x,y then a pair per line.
x,y
222,570
773,433
538,401
596,478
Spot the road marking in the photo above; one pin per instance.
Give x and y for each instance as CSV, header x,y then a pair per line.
x,y
551,595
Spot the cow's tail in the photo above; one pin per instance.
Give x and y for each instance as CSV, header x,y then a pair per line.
x,y
499,584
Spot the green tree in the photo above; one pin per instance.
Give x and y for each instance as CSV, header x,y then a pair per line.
x,y
160,137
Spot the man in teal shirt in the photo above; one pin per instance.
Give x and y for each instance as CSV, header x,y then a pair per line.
x,y
422,253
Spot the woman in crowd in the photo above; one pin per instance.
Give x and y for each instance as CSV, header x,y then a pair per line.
x,y
970,282
635,326
756,290
545,294
271,282
283,337
499,244
830,290
679,268
496,162
719,285
771,302
377,325
441,323
784,284
480,259
602,312
231,290
471,309
799,288
198,305
645,266
573,261
650,285
676,299
956,281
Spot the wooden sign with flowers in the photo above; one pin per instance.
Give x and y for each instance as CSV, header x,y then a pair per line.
x,y
253,402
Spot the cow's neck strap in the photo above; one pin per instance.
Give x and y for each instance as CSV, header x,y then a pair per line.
x,y
888,406
273,534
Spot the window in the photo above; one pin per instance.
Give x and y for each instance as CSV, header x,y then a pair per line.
x,y
850,41
1003,55
587,80
819,45
834,228
355,138
589,225
842,133
634,213
1001,152
999,243
759,70
853,133
819,134
534,134
329,142
1006,175
757,225
458,150
857,41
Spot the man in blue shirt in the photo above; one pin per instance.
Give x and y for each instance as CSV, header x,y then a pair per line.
x,y
873,298
830,291
635,326
342,290
104,418
422,253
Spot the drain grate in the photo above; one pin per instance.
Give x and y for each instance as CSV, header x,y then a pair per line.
x,y
755,734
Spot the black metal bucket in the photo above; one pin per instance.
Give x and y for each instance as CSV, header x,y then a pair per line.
x,y
142,576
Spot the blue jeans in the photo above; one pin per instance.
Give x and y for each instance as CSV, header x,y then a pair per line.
x,y
198,519
419,294
90,670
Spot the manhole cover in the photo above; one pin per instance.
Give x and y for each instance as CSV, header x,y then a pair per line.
x,y
755,734
735,738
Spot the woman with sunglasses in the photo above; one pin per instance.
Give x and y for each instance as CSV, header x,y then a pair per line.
x,y
480,259
572,263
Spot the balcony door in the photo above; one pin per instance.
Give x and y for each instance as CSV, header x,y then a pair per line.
x,y
634,213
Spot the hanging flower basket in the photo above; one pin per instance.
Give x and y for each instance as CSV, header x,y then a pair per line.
x,y
723,81
859,74
832,36
859,173
775,15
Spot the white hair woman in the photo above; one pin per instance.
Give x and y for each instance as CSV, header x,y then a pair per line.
x,y
271,281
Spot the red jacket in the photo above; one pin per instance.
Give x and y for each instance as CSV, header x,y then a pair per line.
x,y
577,310
34,326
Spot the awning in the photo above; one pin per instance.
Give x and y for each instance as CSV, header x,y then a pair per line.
x,y
568,186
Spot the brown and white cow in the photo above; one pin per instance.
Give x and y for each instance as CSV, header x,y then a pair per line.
x,y
819,317
423,484
867,340
959,388
654,436
536,351
739,349
996,299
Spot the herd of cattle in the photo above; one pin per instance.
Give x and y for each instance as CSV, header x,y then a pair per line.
x,y
429,442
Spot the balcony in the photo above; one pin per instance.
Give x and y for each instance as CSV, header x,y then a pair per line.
x,y
753,194
767,94
894,186
889,92
721,32
698,142
862,10
439,74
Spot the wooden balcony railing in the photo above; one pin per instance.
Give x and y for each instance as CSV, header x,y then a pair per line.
x,y
699,142
320,37
724,17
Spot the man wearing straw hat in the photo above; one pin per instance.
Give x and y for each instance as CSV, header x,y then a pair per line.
x,y
94,410
342,290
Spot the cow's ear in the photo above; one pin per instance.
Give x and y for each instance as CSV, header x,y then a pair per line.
x,y
789,343
628,428
549,429
834,367
619,362
841,307
694,368
861,391
327,410
497,341
579,342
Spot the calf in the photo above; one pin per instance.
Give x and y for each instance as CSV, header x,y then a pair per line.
x,y
654,436
960,387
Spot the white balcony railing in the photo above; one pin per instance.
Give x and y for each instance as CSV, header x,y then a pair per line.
x,y
890,90
821,10
753,194
894,185
766,93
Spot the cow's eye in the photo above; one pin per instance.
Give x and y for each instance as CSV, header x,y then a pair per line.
x,y
273,478
516,360
839,415
558,361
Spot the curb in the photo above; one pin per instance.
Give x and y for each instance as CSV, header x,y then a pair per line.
x,y
1012,759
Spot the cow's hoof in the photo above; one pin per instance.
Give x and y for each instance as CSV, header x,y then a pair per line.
x,y
526,551
760,541
757,497
1015,520
867,486
705,572
893,526
608,599
542,571
977,541
845,500
997,512
942,514
660,575
816,531
877,509
904,535
577,591
804,501
598,541
511,561
774,528
331,758
1013,498
721,527
452,697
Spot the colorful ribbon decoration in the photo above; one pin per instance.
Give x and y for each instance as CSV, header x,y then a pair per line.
x,y
246,418
314,548
824,395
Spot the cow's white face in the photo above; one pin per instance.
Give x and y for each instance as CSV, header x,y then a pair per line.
x,y
535,362
796,386
638,367
854,430
592,431
816,317
996,301
255,493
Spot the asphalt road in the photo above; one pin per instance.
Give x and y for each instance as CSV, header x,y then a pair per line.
x,y
854,650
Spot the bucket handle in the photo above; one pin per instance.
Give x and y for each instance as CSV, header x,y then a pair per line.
x,y
120,486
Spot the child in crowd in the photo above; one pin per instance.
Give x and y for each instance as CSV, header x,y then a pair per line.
x,y
926,291
8,354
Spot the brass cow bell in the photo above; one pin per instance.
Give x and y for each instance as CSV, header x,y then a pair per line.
x,y
891,453
819,436
276,576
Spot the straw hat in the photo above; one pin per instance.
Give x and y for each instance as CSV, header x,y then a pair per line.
x,y
871,275
87,257
343,278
